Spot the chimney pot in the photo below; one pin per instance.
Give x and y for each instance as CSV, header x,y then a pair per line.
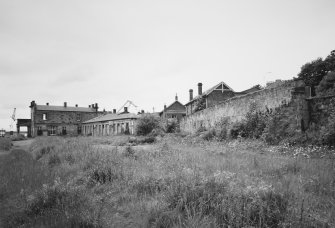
x,y
47,103
200,88
65,104
191,94
114,111
76,105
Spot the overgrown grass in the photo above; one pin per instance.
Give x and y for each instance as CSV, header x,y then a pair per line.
x,y
5,144
175,182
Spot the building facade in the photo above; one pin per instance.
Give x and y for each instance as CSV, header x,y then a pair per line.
x,y
49,120
111,124
176,110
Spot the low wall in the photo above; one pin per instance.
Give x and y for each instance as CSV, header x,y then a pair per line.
x,y
236,108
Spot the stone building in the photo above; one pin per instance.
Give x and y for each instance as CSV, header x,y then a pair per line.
x,y
48,120
175,110
213,96
111,124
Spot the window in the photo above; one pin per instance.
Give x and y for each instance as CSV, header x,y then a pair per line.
x,y
52,130
44,116
64,130
78,117
174,116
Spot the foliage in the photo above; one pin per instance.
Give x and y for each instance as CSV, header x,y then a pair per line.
x,y
313,72
146,124
327,85
200,104
276,128
252,126
177,182
209,135
171,126
5,144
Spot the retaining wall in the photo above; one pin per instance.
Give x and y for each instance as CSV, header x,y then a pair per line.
x,y
236,108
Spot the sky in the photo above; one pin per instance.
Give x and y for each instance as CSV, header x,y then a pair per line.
x,y
147,51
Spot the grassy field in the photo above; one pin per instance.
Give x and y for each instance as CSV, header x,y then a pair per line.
x,y
175,182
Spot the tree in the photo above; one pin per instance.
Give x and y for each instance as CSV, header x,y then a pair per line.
x,y
312,73
327,84
330,61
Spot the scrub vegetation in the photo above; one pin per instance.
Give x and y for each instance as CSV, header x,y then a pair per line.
x,y
177,181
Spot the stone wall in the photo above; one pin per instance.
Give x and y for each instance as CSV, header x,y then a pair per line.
x,y
290,94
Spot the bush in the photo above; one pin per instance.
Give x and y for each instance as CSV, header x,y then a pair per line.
x,y
252,126
146,124
209,135
172,126
327,85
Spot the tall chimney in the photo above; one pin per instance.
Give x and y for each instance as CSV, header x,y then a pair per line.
x,y
48,104
126,109
32,104
65,104
191,94
199,88
176,97
114,111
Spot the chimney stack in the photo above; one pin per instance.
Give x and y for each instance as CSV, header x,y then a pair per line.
x,y
32,104
89,106
191,94
164,107
92,105
96,107
142,111
176,97
126,109
199,88
114,111
48,104
76,105
65,104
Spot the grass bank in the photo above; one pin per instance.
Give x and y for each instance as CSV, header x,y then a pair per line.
x,y
176,182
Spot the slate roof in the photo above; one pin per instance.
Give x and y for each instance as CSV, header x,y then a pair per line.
x,y
63,109
173,111
209,91
112,116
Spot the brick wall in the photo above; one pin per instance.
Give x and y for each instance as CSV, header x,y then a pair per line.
x,y
59,119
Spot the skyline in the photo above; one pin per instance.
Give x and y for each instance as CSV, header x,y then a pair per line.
x,y
108,52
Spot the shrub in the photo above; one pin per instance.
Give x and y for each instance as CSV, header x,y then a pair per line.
x,y
171,126
327,85
146,124
209,135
